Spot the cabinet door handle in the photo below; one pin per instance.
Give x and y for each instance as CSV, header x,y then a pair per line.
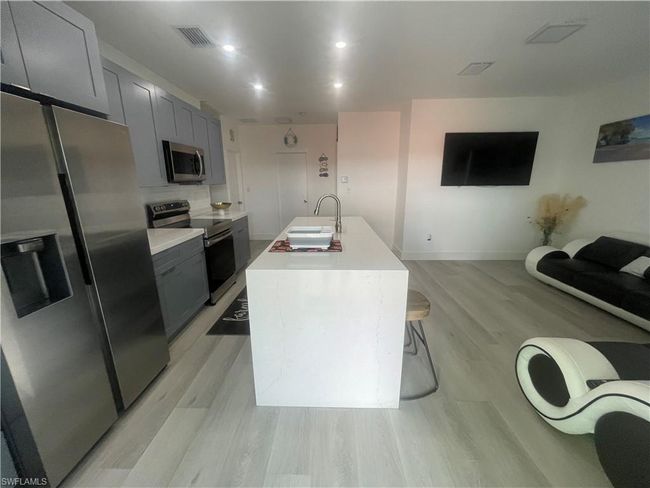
x,y
165,273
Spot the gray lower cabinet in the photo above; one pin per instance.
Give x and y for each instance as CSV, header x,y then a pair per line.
x,y
242,243
58,55
184,123
182,282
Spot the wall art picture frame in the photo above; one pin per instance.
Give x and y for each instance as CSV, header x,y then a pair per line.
x,y
624,140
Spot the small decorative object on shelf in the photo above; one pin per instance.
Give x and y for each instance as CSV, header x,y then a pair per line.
x,y
555,211
323,171
290,139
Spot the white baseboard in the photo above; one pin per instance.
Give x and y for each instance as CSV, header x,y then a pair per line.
x,y
397,251
262,237
463,256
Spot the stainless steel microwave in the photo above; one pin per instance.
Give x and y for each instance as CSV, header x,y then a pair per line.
x,y
185,164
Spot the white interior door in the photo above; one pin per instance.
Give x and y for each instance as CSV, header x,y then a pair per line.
x,y
234,179
292,186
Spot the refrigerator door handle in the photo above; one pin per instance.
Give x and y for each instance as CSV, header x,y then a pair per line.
x,y
84,261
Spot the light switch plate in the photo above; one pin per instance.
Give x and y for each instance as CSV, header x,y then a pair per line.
x,y
344,179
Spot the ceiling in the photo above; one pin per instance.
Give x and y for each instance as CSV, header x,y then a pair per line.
x,y
396,51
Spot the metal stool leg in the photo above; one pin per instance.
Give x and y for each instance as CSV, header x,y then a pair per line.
x,y
410,337
411,342
423,338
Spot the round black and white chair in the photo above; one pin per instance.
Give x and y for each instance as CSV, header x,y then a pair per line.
x,y
598,387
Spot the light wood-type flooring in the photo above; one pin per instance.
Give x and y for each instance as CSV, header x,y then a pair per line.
x,y
197,424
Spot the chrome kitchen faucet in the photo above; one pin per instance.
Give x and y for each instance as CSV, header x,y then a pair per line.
x,y
339,227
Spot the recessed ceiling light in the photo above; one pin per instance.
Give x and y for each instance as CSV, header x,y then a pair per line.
x,y
258,86
473,69
338,84
341,44
551,34
229,48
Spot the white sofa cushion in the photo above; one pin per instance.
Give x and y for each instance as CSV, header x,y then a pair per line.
x,y
638,267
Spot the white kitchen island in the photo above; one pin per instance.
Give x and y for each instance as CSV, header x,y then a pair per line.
x,y
327,328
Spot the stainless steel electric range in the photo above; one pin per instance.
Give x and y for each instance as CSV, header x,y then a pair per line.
x,y
217,240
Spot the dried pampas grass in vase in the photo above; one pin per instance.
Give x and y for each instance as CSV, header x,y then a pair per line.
x,y
555,211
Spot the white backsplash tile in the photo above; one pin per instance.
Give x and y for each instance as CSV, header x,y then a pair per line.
x,y
197,195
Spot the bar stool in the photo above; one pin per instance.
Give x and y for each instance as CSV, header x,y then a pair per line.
x,y
417,308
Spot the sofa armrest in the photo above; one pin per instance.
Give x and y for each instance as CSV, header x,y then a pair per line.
x,y
577,360
573,247
536,255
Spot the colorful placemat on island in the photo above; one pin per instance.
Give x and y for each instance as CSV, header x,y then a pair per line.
x,y
283,246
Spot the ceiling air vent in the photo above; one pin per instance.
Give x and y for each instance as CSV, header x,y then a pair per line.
x,y
248,121
195,36
283,120
473,69
551,34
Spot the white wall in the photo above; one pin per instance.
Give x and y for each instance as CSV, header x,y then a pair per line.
x,y
477,222
618,193
402,174
259,145
368,152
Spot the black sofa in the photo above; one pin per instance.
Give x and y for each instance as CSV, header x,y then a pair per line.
x,y
590,270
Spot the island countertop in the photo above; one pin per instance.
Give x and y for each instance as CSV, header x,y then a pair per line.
x,y
362,250
327,328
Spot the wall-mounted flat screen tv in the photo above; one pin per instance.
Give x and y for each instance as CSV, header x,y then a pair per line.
x,y
488,158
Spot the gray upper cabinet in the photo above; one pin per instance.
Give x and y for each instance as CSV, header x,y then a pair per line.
x,y
140,107
59,52
13,67
153,116
184,123
217,173
166,116
114,93
132,101
174,118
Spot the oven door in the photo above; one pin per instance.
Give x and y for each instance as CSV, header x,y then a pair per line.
x,y
184,163
220,259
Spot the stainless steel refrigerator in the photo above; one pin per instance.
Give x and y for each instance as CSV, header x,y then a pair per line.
x,y
82,331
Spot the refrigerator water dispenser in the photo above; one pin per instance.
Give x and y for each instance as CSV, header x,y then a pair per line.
x,y
35,273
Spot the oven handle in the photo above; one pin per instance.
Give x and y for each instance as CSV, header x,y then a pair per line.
x,y
219,238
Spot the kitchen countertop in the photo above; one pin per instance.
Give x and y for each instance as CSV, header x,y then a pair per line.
x,y
216,214
362,250
163,239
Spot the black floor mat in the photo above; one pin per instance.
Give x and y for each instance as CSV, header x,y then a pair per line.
x,y
234,321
